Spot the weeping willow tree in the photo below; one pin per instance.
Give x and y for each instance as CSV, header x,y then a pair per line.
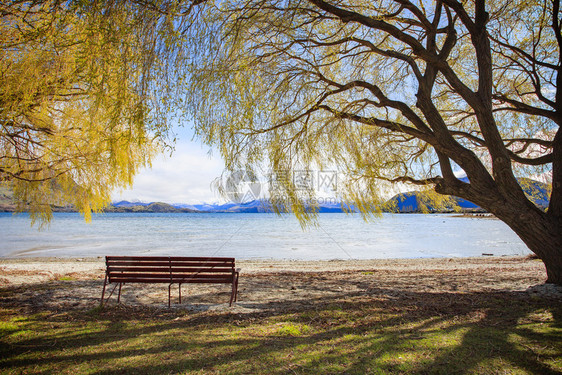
x,y
86,97
390,91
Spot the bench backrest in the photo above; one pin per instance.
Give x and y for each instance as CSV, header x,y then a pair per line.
x,y
154,269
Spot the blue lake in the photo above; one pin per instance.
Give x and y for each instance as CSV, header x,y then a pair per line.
x,y
266,236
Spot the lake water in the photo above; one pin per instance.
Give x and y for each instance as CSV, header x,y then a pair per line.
x,y
266,236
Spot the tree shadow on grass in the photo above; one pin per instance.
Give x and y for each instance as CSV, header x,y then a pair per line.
x,y
492,331
361,332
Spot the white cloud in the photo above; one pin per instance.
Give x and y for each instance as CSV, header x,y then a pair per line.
x,y
185,177
460,173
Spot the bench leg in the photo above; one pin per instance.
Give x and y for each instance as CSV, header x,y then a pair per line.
x,y
119,295
236,290
233,293
233,296
110,294
169,295
103,290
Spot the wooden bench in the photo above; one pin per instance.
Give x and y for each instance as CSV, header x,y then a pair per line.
x,y
169,270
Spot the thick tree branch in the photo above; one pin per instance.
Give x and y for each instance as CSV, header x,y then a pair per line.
x,y
411,180
349,16
372,121
520,107
545,159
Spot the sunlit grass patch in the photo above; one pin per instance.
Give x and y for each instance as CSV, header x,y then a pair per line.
x,y
65,278
409,334
293,329
9,327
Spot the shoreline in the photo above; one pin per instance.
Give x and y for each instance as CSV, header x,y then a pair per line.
x,y
38,269
317,264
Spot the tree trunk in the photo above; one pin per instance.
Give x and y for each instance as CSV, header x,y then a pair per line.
x,y
553,270
540,231
542,234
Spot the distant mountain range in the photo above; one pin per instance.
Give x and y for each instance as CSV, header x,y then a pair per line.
x,y
256,206
125,206
408,202
413,201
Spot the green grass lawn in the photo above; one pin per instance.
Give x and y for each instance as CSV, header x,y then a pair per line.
x,y
442,333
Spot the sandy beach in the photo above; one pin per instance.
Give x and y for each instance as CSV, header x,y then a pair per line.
x,y
60,284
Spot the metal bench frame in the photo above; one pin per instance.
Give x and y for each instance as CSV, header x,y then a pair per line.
x,y
169,270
